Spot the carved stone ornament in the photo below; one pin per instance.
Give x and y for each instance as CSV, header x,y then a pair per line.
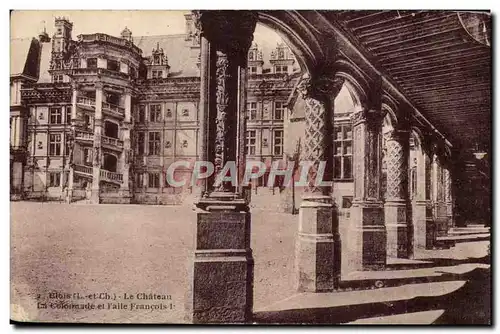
x,y
371,117
221,121
230,30
320,87
397,167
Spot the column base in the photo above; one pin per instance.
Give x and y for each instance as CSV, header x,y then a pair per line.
x,y
396,223
222,282
367,239
125,195
69,196
424,234
318,249
94,196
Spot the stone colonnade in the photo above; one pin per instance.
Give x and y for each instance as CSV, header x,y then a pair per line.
x,y
222,275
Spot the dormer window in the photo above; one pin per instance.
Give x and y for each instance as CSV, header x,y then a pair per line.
x,y
251,55
281,54
156,60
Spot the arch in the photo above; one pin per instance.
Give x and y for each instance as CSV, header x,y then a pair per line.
x,y
309,54
355,80
418,137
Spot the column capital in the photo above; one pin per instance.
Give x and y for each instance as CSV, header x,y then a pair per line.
x,y
370,116
319,86
230,30
75,85
99,85
399,135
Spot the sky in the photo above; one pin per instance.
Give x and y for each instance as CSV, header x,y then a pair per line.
x,y
29,23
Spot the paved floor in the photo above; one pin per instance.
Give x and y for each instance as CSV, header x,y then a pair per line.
x,y
113,249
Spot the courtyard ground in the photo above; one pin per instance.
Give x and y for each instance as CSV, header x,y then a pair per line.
x,y
107,251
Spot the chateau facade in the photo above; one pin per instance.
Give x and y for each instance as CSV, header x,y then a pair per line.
x,y
101,118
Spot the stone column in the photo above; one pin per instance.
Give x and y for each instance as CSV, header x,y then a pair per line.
x,y
448,196
97,145
422,215
439,203
318,244
367,233
125,160
222,276
396,205
434,184
74,96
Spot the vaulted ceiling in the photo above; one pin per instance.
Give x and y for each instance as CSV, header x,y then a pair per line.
x,y
440,60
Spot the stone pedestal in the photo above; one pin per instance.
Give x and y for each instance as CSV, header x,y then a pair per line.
x,y
94,196
222,287
318,246
420,225
396,222
366,244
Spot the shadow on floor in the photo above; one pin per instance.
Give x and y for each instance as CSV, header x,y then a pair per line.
x,y
471,304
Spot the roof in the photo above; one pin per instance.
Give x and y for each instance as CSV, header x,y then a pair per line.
x,y
45,55
21,50
182,58
440,60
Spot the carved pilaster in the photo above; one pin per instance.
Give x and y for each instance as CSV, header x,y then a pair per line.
x,y
399,230
397,144
225,119
366,240
318,95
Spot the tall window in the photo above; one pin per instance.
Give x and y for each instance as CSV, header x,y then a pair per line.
x,y
68,115
67,145
91,62
140,143
139,180
343,152
252,69
154,143
155,113
279,109
55,144
251,140
154,180
142,113
55,116
278,142
54,179
113,65
252,110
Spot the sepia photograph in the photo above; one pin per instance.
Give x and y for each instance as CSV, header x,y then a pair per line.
x,y
254,167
